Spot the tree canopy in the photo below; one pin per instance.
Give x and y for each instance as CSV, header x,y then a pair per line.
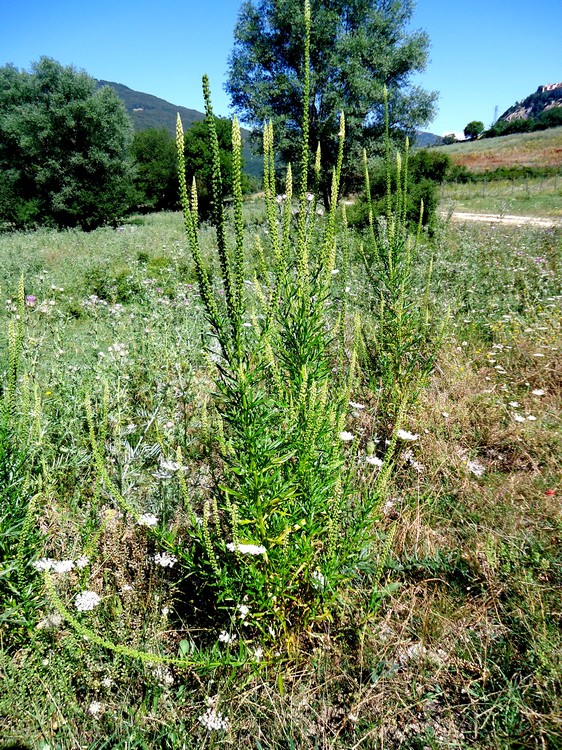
x,y
156,174
358,47
64,148
474,129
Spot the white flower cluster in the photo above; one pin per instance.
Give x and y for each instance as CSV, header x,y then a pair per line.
x,y
165,560
214,720
374,461
147,519
119,349
225,637
59,566
86,601
246,549
475,468
346,436
405,435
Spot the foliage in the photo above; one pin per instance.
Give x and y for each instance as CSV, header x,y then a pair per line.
x,y
427,168
357,49
198,161
474,129
63,148
154,154
19,539
400,344
550,118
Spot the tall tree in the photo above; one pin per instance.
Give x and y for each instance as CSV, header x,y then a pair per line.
x,y
358,47
64,148
156,178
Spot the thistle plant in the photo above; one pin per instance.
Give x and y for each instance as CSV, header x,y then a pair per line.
x,y
401,344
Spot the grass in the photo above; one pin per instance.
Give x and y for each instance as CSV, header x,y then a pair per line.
x,y
533,196
540,149
448,632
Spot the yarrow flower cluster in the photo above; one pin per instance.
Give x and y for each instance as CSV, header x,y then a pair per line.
x,y
165,560
59,566
318,580
475,468
225,637
86,601
405,435
214,720
147,519
246,549
346,436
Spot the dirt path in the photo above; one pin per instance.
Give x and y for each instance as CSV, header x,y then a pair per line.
x,y
534,221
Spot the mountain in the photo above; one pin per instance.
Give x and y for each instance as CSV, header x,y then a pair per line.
x,y
147,111
545,98
424,139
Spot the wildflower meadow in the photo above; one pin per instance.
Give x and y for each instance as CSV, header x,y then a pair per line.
x,y
271,481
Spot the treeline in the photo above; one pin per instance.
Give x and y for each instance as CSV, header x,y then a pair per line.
x,y
69,156
550,118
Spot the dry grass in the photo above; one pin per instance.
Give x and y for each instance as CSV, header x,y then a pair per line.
x,y
539,149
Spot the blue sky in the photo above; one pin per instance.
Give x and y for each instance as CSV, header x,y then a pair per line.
x,y
483,54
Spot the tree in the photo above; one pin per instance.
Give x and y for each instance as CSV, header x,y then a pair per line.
x,y
156,176
474,129
198,161
358,47
64,148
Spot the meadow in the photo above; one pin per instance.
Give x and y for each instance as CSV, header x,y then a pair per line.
x,y
445,632
540,149
520,196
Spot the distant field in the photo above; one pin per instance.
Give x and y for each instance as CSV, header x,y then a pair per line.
x,y
540,149
524,196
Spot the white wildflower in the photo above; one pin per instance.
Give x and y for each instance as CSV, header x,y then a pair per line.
x,y
213,720
475,467
243,611
374,461
258,653
531,418
81,562
147,519
63,566
355,405
86,601
346,436
538,392
246,549
405,435
95,708
514,404
225,637
518,417
44,563
165,560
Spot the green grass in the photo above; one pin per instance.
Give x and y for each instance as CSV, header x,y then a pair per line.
x,y
458,646
521,197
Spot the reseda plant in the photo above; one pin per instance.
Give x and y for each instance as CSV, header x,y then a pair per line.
x,y
401,344
18,537
279,533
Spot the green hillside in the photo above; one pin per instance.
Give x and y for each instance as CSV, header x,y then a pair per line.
x,y
148,111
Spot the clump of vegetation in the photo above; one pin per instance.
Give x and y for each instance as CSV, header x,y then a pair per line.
x,y
63,149
261,495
